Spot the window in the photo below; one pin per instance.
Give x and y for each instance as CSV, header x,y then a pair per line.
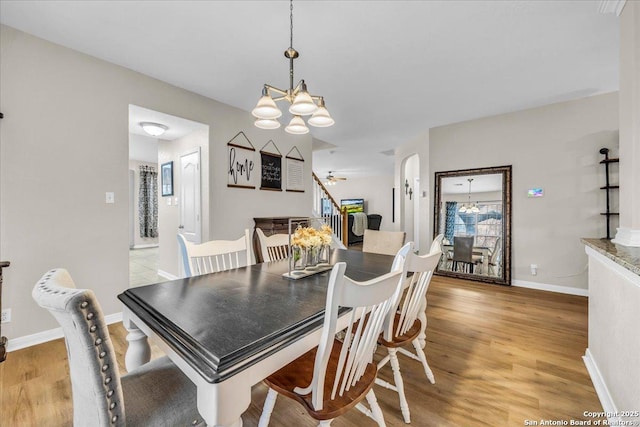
x,y
485,226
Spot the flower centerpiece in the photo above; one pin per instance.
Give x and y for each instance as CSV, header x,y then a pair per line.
x,y
310,242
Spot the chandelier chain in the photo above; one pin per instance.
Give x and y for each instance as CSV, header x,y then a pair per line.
x,y
291,22
302,103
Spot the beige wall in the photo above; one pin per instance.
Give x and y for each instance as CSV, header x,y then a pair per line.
x,y
554,147
64,143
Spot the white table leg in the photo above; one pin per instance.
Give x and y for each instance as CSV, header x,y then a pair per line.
x,y
138,350
222,404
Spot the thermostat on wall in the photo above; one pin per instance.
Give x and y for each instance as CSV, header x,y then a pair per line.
x,y
535,192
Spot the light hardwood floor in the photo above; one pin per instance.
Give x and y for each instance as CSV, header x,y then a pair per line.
x,y
500,356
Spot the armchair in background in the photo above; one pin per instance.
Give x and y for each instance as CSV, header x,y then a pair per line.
x,y
373,223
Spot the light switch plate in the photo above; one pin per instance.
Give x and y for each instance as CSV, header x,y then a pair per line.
x,y
110,197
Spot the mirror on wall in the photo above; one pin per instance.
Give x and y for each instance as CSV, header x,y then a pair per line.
x,y
472,210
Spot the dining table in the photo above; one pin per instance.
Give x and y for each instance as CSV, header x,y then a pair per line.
x,y
227,331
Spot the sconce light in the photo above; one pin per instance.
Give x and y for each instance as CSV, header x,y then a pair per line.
x,y
407,190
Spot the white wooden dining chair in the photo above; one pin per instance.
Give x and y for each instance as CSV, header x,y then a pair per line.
x,y
156,394
436,245
495,258
274,247
215,255
403,324
337,375
382,242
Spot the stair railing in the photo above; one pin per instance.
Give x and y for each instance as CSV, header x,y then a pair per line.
x,y
326,207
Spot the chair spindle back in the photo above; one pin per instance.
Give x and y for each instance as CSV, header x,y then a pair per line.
x,y
215,255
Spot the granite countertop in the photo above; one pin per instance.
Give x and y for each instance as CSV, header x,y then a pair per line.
x,y
628,257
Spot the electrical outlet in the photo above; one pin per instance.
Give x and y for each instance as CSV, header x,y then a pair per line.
x,y
6,315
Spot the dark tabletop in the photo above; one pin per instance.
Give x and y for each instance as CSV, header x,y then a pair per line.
x,y
216,321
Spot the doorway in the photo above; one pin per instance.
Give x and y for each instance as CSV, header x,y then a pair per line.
x,y
410,206
182,143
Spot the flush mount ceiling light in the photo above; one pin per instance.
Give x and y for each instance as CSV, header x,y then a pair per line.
x,y
302,103
469,207
153,129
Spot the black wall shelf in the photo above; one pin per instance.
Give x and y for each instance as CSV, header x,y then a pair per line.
x,y
608,187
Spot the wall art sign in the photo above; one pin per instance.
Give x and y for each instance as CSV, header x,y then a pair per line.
x,y
271,168
241,172
295,170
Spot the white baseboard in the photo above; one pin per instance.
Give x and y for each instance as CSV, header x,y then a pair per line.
x,y
145,246
551,288
600,386
50,335
167,275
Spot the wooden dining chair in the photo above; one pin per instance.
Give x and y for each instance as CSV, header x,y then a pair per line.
x,y
403,324
382,242
274,247
337,375
215,255
156,394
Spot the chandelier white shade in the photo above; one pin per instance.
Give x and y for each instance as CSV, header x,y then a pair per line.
x,y
302,103
266,108
153,129
296,126
469,207
321,117
267,123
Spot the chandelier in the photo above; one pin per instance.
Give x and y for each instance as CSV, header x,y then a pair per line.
x,y
469,207
302,103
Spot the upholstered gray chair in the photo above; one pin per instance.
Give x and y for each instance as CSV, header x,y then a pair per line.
x,y
156,394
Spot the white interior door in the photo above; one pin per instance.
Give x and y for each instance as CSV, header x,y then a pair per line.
x,y
190,221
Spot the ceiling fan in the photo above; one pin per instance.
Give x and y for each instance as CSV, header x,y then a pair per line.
x,y
332,180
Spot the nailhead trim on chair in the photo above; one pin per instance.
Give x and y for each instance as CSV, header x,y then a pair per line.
x,y
105,370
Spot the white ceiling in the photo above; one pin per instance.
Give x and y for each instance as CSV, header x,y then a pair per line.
x,y
480,184
389,70
143,147
177,126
